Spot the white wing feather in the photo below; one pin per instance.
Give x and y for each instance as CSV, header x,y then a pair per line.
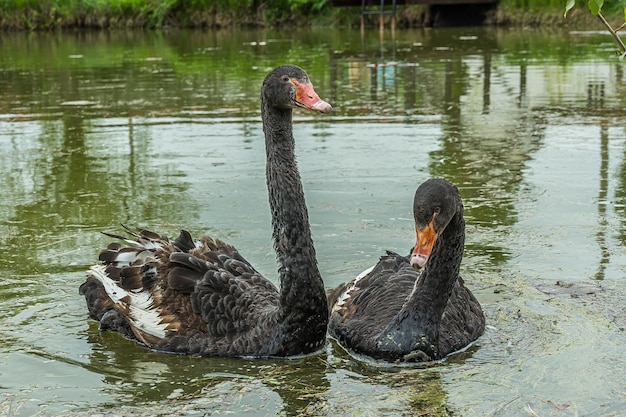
x,y
346,294
142,312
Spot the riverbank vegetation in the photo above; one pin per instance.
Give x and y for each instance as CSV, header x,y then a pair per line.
x,y
101,14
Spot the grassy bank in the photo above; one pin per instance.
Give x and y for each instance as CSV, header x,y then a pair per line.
x,y
53,14
103,14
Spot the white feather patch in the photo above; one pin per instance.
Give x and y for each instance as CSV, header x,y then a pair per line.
x,y
142,312
151,244
142,243
341,300
125,258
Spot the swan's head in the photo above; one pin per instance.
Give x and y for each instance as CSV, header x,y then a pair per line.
x,y
436,202
288,86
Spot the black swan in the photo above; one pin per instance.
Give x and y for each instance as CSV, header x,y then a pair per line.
x,y
396,311
201,297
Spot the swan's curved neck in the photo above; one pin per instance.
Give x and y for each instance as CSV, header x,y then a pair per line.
x,y
433,288
302,289
418,321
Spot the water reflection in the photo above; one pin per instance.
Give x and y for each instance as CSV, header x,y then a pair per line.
x,y
79,179
331,383
163,130
154,377
483,150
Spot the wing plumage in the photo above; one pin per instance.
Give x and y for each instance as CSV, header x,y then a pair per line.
x,y
378,292
189,296
362,309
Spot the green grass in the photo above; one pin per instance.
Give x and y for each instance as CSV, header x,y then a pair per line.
x,y
48,14
100,14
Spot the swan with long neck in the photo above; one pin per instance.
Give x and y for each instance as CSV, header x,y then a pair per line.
x,y
415,308
201,296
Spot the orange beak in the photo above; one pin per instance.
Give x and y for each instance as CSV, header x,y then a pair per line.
x,y
425,240
307,98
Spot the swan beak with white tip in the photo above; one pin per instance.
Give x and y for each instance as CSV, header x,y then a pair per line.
x,y
307,98
425,240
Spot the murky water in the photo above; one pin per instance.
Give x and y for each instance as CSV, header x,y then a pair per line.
x,y
162,130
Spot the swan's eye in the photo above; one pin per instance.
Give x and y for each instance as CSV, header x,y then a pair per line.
x,y
437,210
285,78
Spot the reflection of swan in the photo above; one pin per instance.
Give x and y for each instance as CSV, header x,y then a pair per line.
x,y
201,296
396,313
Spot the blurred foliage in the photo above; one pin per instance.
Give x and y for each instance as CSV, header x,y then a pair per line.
x,y
595,7
150,14
47,14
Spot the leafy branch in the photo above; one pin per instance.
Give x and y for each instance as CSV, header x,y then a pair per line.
x,y
595,7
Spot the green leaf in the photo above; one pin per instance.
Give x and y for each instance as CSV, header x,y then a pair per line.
x,y
595,6
570,5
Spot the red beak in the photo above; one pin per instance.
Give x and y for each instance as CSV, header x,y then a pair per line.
x,y
307,98
425,240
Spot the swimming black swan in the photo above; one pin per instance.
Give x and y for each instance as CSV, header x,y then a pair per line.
x,y
396,313
202,297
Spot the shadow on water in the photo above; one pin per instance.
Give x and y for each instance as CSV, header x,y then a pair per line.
x,y
332,383
207,385
163,129
329,383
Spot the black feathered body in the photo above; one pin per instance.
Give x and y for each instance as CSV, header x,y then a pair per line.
x,y
193,297
397,313
201,296
376,299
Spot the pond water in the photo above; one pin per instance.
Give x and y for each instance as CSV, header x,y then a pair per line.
x,y
162,130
